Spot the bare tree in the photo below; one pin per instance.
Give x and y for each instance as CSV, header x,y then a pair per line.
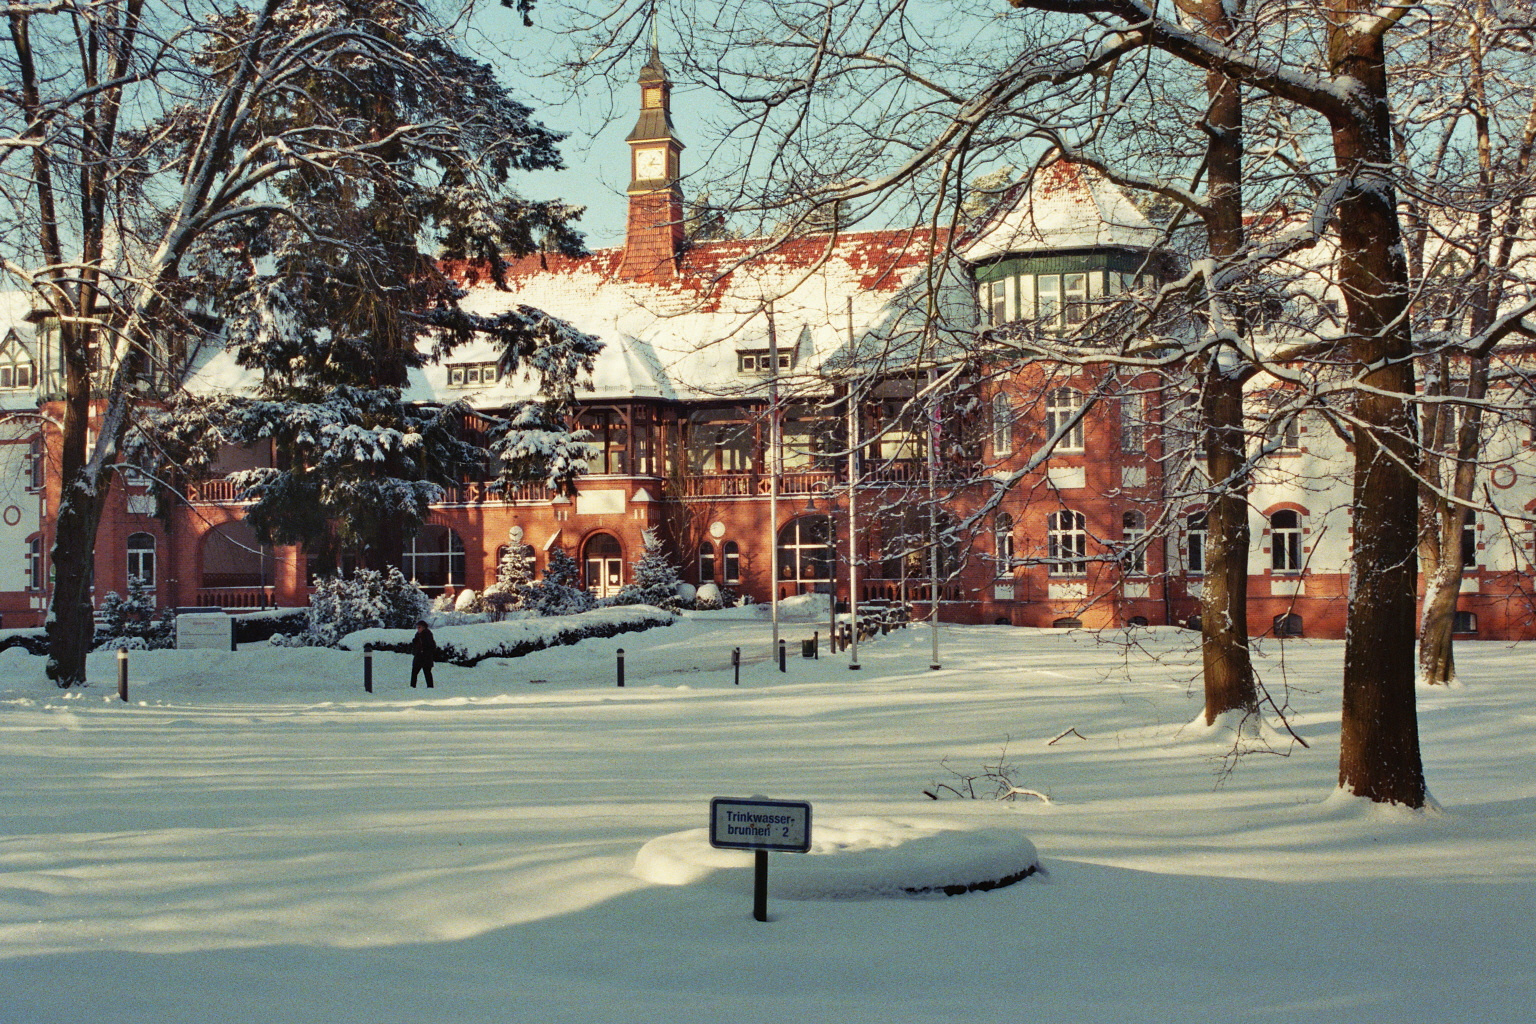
x,y
134,132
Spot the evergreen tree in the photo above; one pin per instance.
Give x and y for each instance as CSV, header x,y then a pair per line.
x,y
655,576
333,295
514,575
560,591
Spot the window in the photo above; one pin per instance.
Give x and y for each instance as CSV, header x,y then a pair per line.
x,y
761,360
1048,298
1074,290
434,558
473,375
1469,544
1062,407
1288,625
1003,531
36,463
994,299
1286,435
1133,533
1067,538
1133,426
35,563
16,368
1285,541
706,562
1002,425
141,559
805,549
1464,622
731,556
1194,543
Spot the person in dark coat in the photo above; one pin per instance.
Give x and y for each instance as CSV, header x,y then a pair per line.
x,y
423,653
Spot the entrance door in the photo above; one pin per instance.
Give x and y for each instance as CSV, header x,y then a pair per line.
x,y
605,565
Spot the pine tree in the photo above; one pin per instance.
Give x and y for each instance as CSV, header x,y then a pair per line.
x,y
514,575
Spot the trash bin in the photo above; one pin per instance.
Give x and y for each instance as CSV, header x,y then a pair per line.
x,y
807,648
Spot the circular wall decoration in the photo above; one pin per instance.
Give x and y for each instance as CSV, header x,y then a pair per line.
x,y
12,515
717,529
515,535
1503,476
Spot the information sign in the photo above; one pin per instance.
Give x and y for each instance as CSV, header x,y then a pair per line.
x,y
757,823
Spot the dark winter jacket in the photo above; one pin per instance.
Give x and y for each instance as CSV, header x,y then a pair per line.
x,y
423,647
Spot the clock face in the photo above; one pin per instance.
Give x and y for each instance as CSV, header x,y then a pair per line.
x,y
650,164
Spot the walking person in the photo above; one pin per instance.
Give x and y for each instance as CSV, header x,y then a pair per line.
x,y
423,653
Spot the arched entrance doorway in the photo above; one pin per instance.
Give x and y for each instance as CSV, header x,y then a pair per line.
x,y
603,561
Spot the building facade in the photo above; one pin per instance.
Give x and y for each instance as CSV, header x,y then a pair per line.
x,y
790,413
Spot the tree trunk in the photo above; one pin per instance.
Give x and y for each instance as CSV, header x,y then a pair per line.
x,y
1229,682
1379,756
1228,670
71,624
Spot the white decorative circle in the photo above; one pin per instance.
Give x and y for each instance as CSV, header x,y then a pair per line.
x,y
717,529
12,515
1503,476
515,535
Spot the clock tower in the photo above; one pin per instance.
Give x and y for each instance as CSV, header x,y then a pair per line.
x,y
654,237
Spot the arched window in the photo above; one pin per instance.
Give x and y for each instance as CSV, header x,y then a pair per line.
x,y
603,562
706,562
1067,538
1133,537
1285,541
434,558
1464,622
805,549
731,556
1288,625
1061,406
1002,425
141,559
1194,542
1003,531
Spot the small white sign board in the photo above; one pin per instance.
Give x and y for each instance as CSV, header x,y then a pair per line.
x,y
756,823
204,631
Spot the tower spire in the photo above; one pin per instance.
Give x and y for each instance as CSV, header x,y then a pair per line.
x,y
654,238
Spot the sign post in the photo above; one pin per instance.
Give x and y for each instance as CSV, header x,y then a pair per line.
x,y
758,824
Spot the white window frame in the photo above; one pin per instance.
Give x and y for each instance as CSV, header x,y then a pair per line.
x,y
1062,404
1067,543
1285,547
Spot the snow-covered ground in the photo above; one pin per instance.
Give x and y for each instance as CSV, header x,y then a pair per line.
x,y
254,839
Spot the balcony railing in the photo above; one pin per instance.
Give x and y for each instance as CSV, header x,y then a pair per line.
x,y
235,597
478,492
212,492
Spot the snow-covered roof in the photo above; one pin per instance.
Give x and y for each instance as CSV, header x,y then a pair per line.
x,y
680,340
1062,206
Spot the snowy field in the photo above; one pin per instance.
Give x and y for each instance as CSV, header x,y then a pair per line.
x,y
254,839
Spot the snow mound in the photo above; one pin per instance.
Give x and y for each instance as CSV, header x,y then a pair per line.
x,y
853,858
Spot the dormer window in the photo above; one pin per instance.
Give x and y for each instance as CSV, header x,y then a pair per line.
x,y
16,367
761,361
473,375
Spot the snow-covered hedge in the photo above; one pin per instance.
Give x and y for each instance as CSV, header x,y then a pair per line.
x,y
468,645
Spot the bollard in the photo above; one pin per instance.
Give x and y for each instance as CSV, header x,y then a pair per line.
x,y
782,664
122,674
816,645
367,668
736,664
621,666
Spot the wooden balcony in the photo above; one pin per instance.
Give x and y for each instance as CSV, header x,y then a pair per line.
x,y
752,485
480,492
212,492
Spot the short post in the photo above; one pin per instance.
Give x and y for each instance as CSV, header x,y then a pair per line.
x,y
367,668
782,665
760,885
621,666
736,665
816,645
122,674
